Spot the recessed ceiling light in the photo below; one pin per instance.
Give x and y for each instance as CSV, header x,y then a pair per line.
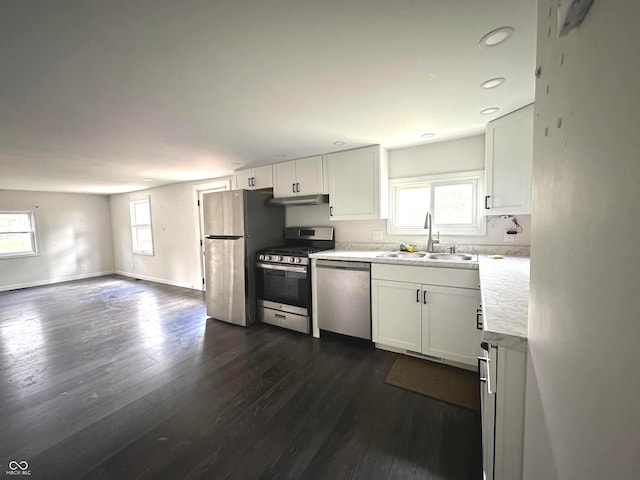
x,y
235,164
493,83
496,37
428,135
489,111
339,142
148,180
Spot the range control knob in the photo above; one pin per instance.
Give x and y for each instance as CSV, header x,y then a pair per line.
x,y
291,259
267,257
279,258
260,257
298,260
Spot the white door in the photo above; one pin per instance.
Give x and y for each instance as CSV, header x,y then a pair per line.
x,y
354,184
262,177
309,176
449,323
243,179
284,179
509,145
396,314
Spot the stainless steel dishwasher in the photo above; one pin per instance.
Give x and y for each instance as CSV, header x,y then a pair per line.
x,y
344,297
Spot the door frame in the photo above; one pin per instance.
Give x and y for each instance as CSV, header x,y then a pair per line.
x,y
199,190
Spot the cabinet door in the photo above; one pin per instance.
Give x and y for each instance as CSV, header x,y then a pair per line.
x,y
488,412
309,176
509,154
242,179
510,366
396,314
449,323
284,179
354,184
262,177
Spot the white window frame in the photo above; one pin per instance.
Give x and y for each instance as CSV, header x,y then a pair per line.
x,y
34,237
135,226
476,178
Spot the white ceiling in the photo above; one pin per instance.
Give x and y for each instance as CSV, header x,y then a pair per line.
x,y
97,95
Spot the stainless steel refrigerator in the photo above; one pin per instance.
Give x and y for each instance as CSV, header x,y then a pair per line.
x,y
236,224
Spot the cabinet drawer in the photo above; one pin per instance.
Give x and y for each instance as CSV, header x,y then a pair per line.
x,y
448,277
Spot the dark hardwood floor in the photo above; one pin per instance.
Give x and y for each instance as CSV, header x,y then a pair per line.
x,y
113,378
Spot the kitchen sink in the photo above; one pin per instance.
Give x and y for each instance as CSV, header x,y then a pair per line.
x,y
402,254
453,257
449,256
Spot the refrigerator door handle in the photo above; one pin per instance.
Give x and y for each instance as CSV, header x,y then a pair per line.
x,y
223,237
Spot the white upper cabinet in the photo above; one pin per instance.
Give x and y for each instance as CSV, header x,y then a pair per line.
x,y
298,177
359,184
509,154
253,178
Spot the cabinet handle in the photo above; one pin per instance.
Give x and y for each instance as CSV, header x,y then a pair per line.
x,y
249,181
331,211
293,187
418,295
486,379
479,322
424,297
486,202
297,188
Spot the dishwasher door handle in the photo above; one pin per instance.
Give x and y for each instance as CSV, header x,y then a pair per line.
x,y
343,265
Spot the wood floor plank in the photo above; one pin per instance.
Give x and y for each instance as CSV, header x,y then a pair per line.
x,y
113,378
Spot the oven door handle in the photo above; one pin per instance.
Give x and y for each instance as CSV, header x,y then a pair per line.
x,y
286,268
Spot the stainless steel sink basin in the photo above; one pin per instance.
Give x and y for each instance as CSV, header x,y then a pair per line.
x,y
449,256
452,257
402,254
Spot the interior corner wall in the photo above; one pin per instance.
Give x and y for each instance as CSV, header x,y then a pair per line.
x,y
583,386
176,258
74,238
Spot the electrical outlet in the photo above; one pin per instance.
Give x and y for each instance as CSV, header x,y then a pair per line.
x,y
509,237
83,267
376,235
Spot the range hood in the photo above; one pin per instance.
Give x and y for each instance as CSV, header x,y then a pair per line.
x,y
298,201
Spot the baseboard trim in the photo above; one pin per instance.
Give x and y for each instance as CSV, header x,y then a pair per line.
x,y
51,281
156,279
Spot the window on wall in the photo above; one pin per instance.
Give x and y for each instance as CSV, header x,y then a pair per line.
x,y
17,234
454,201
141,234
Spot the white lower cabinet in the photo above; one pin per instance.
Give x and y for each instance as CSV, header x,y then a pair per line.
x,y
449,329
502,397
399,301
426,318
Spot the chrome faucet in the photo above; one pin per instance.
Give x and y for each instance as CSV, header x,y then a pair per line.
x,y
427,225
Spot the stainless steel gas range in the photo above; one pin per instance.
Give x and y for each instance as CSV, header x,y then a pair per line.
x,y
284,277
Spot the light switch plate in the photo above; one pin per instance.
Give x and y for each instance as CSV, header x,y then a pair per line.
x,y
376,235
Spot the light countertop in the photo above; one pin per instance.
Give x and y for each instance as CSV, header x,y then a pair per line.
x,y
504,286
373,257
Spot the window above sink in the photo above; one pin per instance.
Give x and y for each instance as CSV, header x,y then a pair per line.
x,y
454,200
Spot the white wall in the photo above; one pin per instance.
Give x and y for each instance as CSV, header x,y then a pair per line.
x,y
460,155
583,383
176,258
74,237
